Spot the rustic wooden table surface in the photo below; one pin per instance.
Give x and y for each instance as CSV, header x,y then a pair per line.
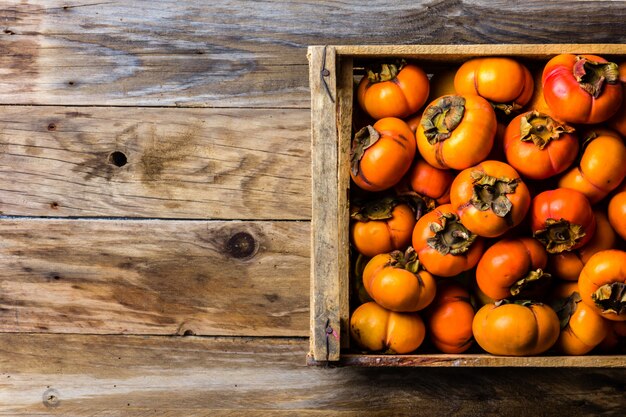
x,y
155,207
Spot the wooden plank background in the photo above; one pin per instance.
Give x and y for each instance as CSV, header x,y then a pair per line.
x,y
204,230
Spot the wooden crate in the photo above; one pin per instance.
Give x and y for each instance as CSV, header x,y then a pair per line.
x,y
331,82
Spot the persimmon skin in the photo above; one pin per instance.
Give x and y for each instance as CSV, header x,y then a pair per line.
x,y
601,168
535,163
431,182
568,265
399,97
380,236
433,261
385,162
449,319
568,101
486,223
397,289
516,330
603,268
506,262
585,330
377,329
470,142
567,204
617,213
500,80
615,336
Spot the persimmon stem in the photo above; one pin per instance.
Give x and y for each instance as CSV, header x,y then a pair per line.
x,y
611,298
541,129
451,237
442,117
591,75
559,235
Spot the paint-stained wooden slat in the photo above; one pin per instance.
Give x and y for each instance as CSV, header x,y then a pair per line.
x,y
154,277
246,53
81,375
179,163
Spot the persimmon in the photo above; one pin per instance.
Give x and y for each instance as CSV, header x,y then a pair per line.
x,y
383,225
503,81
449,319
490,198
522,328
617,212
581,88
601,168
513,268
582,329
428,181
381,154
538,146
376,329
445,247
562,219
602,284
568,264
396,283
393,90
456,131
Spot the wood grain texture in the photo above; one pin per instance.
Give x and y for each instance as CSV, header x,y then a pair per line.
x,y
154,277
180,163
326,282
70,375
241,53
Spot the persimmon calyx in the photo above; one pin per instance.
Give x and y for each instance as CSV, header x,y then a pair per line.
x,y
566,307
420,204
381,209
523,303
451,237
529,280
442,117
490,193
363,139
591,75
406,260
559,235
506,108
541,129
384,71
611,298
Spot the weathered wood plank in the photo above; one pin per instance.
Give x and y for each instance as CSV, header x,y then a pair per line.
x,y
179,163
242,53
72,375
325,278
154,277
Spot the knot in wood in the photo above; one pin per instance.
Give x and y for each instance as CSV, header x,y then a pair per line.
x,y
241,245
51,398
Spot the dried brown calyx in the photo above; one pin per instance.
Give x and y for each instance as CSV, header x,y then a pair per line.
x,y
533,279
592,75
382,209
541,129
566,307
611,298
559,235
451,237
442,117
490,193
363,139
406,260
385,71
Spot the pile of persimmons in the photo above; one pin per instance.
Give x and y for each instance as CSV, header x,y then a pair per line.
x,y
496,213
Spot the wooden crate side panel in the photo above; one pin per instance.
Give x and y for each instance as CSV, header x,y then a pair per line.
x,y
345,90
325,245
154,277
